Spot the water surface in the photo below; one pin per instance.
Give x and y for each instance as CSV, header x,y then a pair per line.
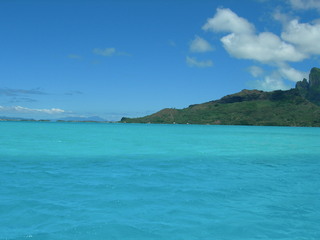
x,y
134,181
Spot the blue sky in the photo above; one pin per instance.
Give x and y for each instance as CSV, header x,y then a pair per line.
x,y
130,58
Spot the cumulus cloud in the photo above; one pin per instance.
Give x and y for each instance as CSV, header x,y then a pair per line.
x,y
19,109
227,21
284,18
297,42
244,43
292,74
255,71
265,47
200,45
193,62
275,80
270,83
305,4
304,35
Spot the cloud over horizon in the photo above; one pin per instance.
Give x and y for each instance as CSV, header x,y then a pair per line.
x,y
20,109
269,83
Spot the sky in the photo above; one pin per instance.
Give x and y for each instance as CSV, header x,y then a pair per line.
x,y
130,58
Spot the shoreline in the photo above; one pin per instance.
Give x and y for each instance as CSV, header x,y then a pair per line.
x,y
117,122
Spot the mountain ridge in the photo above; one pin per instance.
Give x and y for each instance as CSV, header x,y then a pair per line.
x,y
299,106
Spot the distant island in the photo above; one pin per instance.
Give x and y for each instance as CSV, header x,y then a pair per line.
x,y
93,119
299,106
82,119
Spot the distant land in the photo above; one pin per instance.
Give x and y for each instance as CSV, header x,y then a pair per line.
x,y
66,119
299,106
5,118
82,119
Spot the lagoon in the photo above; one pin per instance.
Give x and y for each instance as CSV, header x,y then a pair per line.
x,y
146,181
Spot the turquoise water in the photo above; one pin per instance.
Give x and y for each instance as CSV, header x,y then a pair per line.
x,y
131,181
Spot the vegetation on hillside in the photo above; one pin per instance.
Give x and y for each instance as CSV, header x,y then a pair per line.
x,y
295,107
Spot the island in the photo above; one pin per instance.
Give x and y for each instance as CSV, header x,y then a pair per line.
x,y
299,106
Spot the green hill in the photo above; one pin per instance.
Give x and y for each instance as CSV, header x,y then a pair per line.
x,y
299,106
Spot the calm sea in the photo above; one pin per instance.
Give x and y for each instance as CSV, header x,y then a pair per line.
x,y
180,182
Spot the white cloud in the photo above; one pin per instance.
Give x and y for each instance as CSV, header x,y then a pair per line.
x,y
193,62
275,80
305,4
227,21
297,42
304,35
270,83
19,109
255,71
284,18
106,52
200,45
244,43
292,74
51,111
265,47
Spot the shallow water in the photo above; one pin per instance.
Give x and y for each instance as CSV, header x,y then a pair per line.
x,y
133,181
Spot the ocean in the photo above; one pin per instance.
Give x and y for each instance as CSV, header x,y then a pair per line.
x,y
144,181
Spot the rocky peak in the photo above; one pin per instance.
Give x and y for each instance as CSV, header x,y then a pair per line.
x,y
314,78
310,89
304,84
